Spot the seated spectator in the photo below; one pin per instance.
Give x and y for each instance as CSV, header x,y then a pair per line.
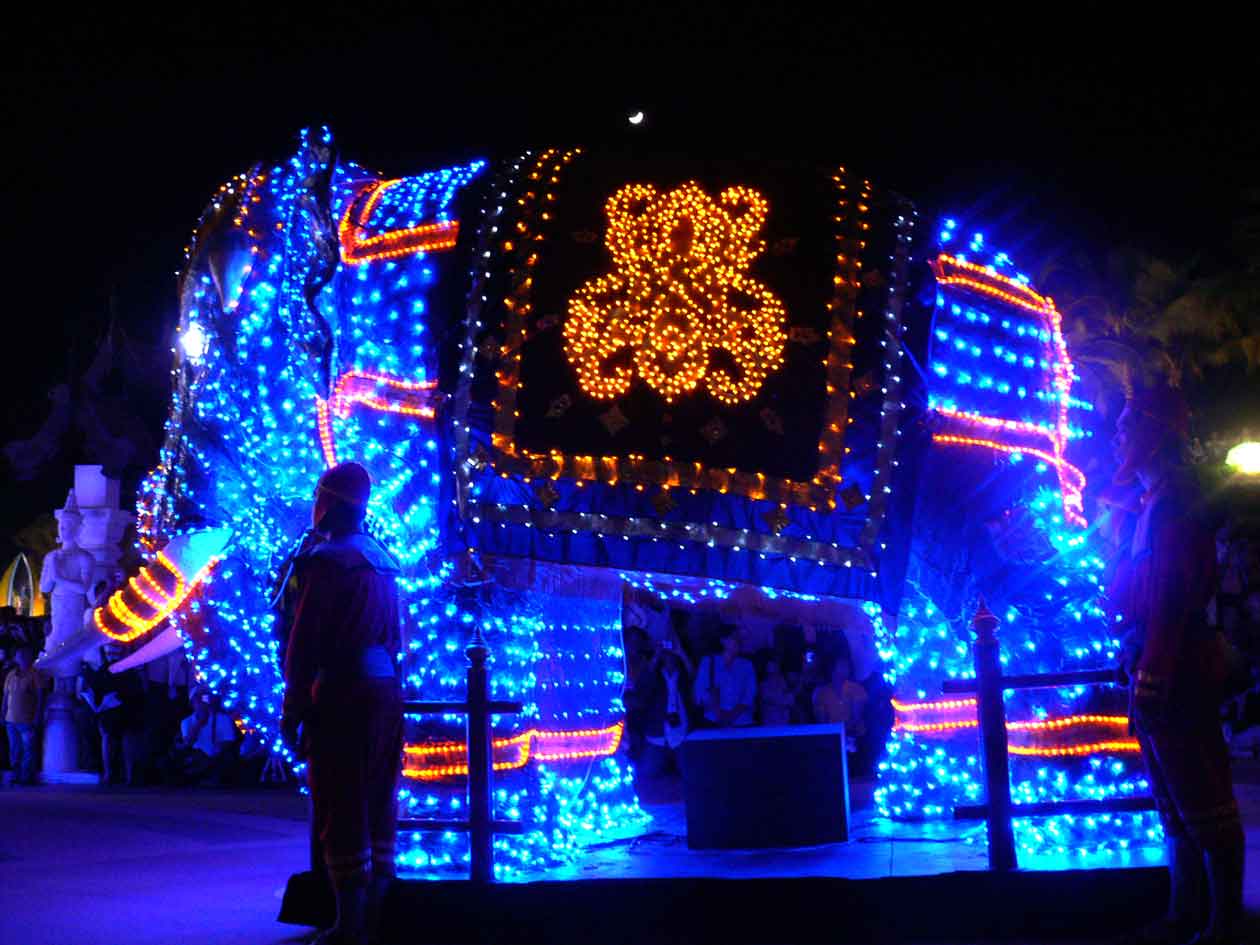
x,y
254,754
841,700
209,742
23,711
726,686
774,698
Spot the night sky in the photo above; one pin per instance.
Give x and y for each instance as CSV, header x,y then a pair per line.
x,y
1065,131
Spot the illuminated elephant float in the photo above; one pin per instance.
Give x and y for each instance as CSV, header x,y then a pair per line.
x,y
569,375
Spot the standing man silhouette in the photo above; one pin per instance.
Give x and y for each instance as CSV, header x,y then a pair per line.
x,y
1176,666
343,699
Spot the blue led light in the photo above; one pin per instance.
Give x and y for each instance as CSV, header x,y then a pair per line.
x,y
243,449
992,359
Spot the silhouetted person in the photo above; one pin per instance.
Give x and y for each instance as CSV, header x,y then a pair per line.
x,y
726,685
1177,670
774,698
343,699
23,711
841,700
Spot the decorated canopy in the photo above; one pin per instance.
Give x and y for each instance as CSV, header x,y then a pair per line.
x,y
690,365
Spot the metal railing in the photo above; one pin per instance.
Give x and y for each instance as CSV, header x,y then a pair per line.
x,y
478,707
988,686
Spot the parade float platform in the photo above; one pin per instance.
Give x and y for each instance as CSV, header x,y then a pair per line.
x,y
889,882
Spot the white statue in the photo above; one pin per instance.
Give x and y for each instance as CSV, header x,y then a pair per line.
x,y
67,575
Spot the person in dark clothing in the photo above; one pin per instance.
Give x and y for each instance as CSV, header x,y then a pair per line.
x,y
1177,670
638,690
343,699
116,700
879,720
666,715
99,690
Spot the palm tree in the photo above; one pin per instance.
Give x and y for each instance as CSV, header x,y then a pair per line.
x,y
1137,318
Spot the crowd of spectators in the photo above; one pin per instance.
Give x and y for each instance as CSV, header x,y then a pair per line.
x,y
697,676
1235,611
147,725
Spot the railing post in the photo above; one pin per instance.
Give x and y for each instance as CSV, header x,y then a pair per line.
x,y
480,763
992,716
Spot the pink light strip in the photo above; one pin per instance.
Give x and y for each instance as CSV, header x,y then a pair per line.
x,y
376,392
952,271
1072,503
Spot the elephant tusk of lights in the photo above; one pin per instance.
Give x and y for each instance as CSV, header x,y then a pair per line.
x,y
168,641
161,586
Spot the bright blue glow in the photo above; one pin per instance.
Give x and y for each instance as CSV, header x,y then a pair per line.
x,y
990,358
243,449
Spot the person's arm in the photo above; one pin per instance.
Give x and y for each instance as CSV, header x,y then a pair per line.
x,y
302,657
681,652
190,730
855,696
1176,582
53,576
689,666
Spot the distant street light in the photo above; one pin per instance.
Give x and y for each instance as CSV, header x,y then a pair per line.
x,y
1245,458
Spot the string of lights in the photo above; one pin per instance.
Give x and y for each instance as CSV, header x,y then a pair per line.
x,y
677,256
435,761
270,387
793,511
1001,383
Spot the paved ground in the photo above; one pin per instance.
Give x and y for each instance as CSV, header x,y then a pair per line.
x,y
83,866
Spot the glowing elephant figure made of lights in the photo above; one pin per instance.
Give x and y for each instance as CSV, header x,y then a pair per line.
x,y
313,302
329,313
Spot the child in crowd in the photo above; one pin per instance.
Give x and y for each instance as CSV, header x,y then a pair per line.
x,y
774,698
841,700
